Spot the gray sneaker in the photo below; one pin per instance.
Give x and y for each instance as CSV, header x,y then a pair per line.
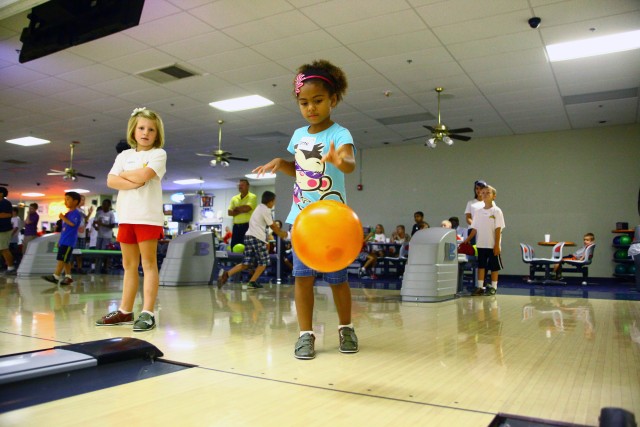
x,y
145,322
305,347
348,340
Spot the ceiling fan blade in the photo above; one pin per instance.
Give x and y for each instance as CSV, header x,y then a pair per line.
x,y
56,173
415,137
459,137
242,159
432,129
205,155
461,130
85,176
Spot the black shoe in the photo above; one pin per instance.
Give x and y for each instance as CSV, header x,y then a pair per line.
x,y
51,278
254,285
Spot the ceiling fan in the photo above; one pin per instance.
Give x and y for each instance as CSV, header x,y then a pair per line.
x,y
440,133
221,157
70,174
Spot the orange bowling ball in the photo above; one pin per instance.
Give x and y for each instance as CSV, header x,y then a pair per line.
x,y
327,236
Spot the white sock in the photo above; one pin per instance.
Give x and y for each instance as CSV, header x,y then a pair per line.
x,y
350,325
494,285
306,332
124,311
55,276
480,284
150,312
10,268
68,275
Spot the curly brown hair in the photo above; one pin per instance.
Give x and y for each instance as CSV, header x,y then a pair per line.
x,y
322,66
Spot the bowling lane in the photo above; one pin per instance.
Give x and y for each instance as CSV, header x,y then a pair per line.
x,y
208,397
558,358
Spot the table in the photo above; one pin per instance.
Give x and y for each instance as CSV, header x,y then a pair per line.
x,y
555,243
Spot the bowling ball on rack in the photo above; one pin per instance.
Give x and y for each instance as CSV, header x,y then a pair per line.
x,y
621,269
631,269
616,240
625,240
327,236
621,254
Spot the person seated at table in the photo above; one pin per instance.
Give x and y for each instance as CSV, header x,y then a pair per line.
x,y
588,240
447,224
460,231
375,251
398,237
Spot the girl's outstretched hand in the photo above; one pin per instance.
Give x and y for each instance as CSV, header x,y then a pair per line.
x,y
342,159
270,167
332,155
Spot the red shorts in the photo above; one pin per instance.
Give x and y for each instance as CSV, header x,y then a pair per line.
x,y
135,233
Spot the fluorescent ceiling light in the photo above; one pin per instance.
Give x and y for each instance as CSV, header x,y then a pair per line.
x,y
28,141
594,46
263,176
32,194
77,190
243,103
188,181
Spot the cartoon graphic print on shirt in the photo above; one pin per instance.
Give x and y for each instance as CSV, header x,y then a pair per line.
x,y
310,173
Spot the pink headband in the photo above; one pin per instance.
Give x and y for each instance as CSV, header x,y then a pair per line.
x,y
300,78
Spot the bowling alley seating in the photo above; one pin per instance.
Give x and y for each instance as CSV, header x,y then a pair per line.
x,y
396,261
579,266
544,264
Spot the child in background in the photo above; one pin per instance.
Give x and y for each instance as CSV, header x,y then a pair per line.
x,y
30,226
588,240
255,242
377,251
323,152
487,224
68,238
137,175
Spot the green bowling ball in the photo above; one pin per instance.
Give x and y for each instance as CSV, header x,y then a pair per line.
x,y
625,240
621,254
239,248
631,269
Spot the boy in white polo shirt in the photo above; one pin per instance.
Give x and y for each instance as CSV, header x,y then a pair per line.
x,y
487,224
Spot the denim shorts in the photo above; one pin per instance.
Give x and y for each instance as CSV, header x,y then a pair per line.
x,y
301,270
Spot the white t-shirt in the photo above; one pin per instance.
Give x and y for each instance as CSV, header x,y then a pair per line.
x,y
93,233
472,206
141,205
485,221
260,219
16,222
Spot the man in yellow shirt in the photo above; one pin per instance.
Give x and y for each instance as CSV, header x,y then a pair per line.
x,y
240,208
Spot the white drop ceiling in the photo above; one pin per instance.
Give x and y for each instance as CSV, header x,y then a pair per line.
x,y
492,65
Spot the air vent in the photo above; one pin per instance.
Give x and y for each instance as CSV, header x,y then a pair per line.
x,y
167,74
600,96
15,162
409,118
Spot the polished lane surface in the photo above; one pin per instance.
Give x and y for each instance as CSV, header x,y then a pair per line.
x,y
458,362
